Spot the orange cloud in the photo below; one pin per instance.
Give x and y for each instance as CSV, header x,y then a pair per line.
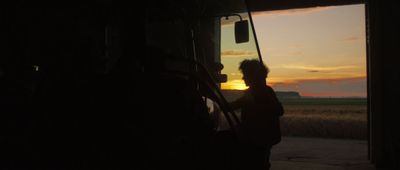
x,y
335,87
351,39
329,87
311,80
237,53
333,94
293,12
318,68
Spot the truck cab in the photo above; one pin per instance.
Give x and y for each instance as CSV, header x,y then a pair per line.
x,y
198,44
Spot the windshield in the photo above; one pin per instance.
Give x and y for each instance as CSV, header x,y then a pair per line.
x,y
233,53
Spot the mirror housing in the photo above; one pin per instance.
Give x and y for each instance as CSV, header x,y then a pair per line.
x,y
242,31
222,78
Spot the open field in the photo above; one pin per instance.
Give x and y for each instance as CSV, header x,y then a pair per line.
x,y
324,101
326,121
344,118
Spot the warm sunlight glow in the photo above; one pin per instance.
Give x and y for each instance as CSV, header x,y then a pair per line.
x,y
234,85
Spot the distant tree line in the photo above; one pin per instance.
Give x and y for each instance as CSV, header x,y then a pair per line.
x,y
288,94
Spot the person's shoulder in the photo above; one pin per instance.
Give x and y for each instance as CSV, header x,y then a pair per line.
x,y
269,88
248,95
269,91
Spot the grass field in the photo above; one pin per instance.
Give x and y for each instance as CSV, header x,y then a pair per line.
x,y
324,101
344,118
347,121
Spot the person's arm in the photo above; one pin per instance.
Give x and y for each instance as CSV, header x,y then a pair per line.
x,y
237,104
279,108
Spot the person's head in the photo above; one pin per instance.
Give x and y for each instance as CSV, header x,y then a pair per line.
x,y
254,72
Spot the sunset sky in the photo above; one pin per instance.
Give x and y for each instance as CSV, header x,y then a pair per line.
x,y
314,51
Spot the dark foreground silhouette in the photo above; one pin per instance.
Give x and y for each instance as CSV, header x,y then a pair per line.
x,y
260,112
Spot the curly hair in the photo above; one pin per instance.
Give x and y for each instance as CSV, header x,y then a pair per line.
x,y
254,69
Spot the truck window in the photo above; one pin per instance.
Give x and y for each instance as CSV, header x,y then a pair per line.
x,y
233,53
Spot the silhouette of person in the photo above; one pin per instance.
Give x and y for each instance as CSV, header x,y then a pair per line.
x,y
260,113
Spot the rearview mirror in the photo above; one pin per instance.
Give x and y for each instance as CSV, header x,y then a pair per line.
x,y
222,78
242,31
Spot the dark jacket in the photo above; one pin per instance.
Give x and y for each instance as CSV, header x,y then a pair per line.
x,y
260,115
